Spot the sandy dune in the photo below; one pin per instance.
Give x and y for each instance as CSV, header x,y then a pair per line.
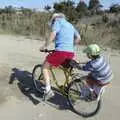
x,y
18,55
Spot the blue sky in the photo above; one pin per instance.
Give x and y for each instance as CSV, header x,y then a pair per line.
x,y
38,4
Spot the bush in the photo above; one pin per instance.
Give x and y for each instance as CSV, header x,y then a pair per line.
x,y
105,18
34,24
115,8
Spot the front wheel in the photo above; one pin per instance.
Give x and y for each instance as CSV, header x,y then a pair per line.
x,y
37,77
78,104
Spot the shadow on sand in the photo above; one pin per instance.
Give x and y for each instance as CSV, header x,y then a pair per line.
x,y
26,86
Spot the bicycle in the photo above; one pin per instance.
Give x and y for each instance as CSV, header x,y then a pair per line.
x,y
72,88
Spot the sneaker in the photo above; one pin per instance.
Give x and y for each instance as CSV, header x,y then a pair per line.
x,y
48,95
91,97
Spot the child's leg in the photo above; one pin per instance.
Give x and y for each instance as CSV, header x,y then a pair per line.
x,y
93,87
97,89
87,88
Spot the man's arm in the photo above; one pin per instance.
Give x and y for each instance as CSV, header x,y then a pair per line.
x,y
77,38
55,30
49,41
52,36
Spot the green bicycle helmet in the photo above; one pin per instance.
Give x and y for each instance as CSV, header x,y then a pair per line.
x,y
92,49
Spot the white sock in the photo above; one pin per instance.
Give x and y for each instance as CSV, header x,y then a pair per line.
x,y
48,88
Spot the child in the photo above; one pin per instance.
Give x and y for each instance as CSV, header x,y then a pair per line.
x,y
100,71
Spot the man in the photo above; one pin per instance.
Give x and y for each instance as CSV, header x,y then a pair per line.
x,y
65,37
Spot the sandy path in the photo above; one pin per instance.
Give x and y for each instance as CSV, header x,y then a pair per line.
x,y
19,55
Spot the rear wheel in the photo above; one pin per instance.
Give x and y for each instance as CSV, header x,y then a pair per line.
x,y
78,103
37,77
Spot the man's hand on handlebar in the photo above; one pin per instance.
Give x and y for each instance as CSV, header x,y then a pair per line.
x,y
43,50
46,50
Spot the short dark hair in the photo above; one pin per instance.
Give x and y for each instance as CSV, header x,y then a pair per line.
x,y
95,56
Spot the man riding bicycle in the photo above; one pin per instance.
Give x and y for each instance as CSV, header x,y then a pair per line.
x,y
65,37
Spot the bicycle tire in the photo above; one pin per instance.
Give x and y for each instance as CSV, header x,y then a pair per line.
x,y
36,77
83,112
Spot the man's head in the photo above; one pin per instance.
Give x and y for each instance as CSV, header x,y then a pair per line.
x,y
92,51
56,15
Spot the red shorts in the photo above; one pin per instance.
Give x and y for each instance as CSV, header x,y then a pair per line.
x,y
93,82
57,58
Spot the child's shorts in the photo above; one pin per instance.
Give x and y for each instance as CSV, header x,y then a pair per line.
x,y
95,84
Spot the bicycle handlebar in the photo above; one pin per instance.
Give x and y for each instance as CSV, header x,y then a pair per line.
x,y
73,63
47,51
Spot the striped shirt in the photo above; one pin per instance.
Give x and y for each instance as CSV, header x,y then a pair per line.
x,y
100,69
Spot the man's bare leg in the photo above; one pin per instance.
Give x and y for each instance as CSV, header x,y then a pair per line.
x,y
46,76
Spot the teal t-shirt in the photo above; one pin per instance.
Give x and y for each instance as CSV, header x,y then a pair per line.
x,y
65,34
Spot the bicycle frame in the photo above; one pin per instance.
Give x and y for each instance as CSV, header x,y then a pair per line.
x,y
70,87
67,73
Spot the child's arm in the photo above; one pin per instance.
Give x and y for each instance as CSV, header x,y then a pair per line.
x,y
84,67
77,65
87,67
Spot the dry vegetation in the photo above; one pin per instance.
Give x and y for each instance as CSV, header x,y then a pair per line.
x,y
102,29
34,24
